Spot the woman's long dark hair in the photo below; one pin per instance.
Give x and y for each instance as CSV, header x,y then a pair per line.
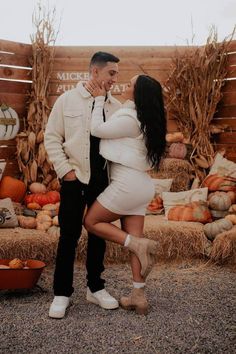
x,y
149,104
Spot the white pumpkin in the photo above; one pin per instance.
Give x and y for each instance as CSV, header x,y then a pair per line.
x,y
9,123
214,228
219,201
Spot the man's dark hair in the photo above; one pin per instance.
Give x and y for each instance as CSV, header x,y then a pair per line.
x,y
101,59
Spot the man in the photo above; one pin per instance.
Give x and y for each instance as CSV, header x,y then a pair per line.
x,y
83,174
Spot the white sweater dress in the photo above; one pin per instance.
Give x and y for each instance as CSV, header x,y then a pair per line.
x,y
122,144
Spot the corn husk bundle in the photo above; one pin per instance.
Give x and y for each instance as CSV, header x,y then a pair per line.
x,y
193,91
31,155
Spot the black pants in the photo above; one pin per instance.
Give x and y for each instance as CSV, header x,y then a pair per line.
x,y
74,197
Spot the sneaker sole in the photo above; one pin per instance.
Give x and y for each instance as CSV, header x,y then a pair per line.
x,y
104,306
56,315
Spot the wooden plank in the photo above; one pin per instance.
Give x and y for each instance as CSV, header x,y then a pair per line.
x,y
231,122
231,60
8,152
120,51
229,99
230,85
14,59
20,109
14,47
231,72
226,111
58,87
68,77
12,169
16,101
82,64
172,126
232,46
230,150
226,138
13,98
14,86
15,73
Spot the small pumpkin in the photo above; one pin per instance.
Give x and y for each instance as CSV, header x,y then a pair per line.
x,y
54,231
211,230
55,221
27,222
42,199
13,188
177,150
9,122
16,263
43,222
175,137
232,218
36,187
232,196
34,206
232,209
54,185
219,201
155,205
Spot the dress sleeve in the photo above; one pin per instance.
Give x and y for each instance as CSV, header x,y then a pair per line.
x,y
114,128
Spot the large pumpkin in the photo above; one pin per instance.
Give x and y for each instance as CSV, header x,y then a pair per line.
x,y
42,199
219,201
214,228
219,183
9,123
13,188
194,211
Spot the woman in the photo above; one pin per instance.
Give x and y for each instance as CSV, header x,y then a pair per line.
x,y
133,141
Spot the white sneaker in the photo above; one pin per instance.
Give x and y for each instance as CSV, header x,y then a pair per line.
x,y
59,306
102,298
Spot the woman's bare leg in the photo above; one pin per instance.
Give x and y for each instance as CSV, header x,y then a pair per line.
x,y
133,225
98,221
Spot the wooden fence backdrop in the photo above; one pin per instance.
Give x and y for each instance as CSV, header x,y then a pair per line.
x,y
71,65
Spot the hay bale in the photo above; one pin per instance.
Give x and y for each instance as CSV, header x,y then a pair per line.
x,y
176,239
179,170
224,248
25,243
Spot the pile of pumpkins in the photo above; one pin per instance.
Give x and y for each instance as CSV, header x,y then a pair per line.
x,y
177,148
41,206
15,263
222,205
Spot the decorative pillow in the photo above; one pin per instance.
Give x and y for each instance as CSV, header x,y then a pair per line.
x,y
8,216
172,199
2,168
223,167
156,204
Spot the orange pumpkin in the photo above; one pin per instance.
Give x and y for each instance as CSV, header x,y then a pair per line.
x,y
156,204
13,188
42,199
219,183
195,211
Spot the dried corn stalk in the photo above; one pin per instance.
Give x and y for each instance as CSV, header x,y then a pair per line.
x,y
193,91
31,155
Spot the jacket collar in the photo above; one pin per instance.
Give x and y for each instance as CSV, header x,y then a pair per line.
x,y
84,93
129,104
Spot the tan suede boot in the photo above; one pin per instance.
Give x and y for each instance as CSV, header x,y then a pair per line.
x,y
136,301
145,250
